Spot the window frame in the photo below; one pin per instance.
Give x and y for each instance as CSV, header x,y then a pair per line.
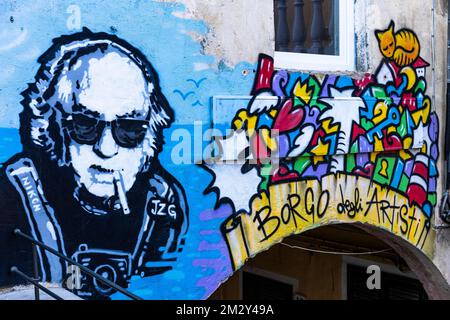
x,y
269,275
345,61
361,262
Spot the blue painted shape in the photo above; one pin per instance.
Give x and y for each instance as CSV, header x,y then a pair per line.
x,y
265,120
397,176
370,102
344,82
184,95
427,209
9,143
197,103
419,100
197,83
433,172
393,118
391,88
332,140
293,79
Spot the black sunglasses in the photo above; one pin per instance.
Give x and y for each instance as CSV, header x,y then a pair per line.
x,y
127,133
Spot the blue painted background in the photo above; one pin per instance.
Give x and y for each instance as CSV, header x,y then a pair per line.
x,y
26,31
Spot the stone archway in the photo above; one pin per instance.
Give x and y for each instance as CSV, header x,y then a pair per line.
x,y
275,262
426,271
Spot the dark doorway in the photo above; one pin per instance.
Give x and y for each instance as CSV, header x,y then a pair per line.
x,y
393,287
255,287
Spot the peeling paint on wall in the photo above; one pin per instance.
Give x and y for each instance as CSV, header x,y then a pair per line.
x,y
226,22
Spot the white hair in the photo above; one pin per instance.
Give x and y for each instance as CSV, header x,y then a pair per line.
x,y
41,119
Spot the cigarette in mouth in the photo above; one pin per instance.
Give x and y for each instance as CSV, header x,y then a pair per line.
x,y
121,190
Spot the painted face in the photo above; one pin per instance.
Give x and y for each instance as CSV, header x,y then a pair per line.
x,y
386,41
109,124
388,45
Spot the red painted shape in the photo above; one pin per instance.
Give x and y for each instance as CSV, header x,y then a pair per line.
x,y
367,171
263,78
356,132
421,170
420,63
363,83
409,101
416,194
259,148
320,133
288,118
283,174
392,142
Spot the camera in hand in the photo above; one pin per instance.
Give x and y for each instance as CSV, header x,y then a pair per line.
x,y
112,265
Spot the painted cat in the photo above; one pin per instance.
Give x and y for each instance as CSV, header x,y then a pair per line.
x,y
403,47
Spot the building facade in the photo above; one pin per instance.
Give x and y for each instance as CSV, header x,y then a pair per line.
x,y
170,146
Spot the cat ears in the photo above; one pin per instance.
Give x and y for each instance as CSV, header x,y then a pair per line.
x,y
391,26
390,29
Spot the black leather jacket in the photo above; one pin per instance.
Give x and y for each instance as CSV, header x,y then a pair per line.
x,y
38,197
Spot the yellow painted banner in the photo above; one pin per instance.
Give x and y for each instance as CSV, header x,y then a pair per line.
x,y
292,208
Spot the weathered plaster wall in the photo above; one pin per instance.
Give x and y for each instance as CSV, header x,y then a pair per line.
x,y
442,251
427,19
414,15
237,30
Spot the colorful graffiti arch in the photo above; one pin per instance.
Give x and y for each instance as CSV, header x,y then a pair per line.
x,y
347,150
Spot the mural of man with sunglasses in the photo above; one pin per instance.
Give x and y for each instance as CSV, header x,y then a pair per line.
x,y
88,182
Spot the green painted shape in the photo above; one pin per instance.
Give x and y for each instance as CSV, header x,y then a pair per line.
x,y
298,102
402,129
301,164
403,183
380,93
384,170
266,173
420,86
432,197
322,106
314,84
355,147
350,162
366,124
